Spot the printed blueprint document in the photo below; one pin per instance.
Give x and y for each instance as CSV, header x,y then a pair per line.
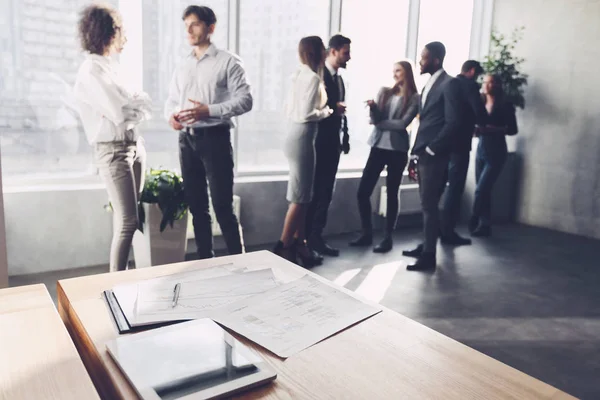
x,y
291,317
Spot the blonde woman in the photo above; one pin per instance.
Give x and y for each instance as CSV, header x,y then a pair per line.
x,y
110,114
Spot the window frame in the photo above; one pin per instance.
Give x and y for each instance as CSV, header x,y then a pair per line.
x,y
479,44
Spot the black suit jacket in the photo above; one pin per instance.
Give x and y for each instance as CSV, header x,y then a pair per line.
x,y
330,127
440,117
472,111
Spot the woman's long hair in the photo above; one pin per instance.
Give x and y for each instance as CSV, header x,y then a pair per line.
x,y
406,90
312,52
497,90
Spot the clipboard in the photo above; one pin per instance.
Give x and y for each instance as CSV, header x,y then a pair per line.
x,y
120,320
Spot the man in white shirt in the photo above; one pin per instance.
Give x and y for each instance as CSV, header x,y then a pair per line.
x,y
206,92
438,125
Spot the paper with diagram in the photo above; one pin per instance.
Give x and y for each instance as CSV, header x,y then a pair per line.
x,y
199,298
126,294
294,316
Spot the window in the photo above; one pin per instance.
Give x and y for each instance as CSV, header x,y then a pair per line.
x,y
164,46
269,33
455,33
40,130
378,34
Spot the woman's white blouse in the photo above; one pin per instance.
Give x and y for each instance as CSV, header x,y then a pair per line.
x,y
109,112
307,99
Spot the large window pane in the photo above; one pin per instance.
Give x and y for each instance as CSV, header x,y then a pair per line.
x,y
164,46
40,131
269,34
378,34
455,32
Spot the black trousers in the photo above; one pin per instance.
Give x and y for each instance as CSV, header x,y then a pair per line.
x,y
327,154
432,178
206,159
395,161
458,168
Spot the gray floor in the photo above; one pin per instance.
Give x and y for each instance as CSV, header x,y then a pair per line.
x,y
528,297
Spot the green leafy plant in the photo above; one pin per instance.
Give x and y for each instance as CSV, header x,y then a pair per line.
x,y
165,188
501,61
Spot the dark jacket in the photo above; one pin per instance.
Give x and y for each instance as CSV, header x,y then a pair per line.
x,y
472,112
330,127
439,117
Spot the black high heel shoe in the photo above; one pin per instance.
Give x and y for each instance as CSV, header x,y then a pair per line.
x,y
289,253
308,257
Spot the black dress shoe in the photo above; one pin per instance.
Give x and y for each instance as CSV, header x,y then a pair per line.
x,y
416,252
426,262
308,257
385,245
321,247
363,240
289,253
482,231
473,223
454,239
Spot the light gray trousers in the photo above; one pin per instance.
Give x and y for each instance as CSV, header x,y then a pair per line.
x,y
121,166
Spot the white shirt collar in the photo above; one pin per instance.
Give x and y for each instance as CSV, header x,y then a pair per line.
x,y
210,51
330,68
436,75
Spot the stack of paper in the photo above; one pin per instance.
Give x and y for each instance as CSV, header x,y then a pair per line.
x,y
283,318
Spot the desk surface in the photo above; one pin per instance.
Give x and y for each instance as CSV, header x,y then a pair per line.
x,y
37,357
387,356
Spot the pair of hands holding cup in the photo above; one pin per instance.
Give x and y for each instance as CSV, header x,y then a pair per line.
x,y
188,116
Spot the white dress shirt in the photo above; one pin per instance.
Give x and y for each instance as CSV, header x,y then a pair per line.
x,y
109,112
216,79
426,90
429,84
306,100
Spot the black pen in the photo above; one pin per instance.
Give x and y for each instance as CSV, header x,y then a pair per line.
x,y
176,295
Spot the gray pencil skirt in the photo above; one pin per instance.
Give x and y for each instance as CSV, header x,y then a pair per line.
x,y
300,152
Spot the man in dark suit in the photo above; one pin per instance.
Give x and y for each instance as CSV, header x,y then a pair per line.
x,y
328,145
472,112
439,123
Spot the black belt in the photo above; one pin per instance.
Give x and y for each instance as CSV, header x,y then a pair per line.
x,y
206,130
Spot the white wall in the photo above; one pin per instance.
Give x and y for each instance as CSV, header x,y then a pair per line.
x,y
559,139
3,259
62,228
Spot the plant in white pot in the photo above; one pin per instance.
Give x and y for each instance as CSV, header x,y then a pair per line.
x,y
161,238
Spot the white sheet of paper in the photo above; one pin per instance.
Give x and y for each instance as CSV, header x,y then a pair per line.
x,y
294,316
126,294
198,299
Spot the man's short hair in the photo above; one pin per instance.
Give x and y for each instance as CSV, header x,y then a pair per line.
x,y
470,64
436,50
203,13
338,41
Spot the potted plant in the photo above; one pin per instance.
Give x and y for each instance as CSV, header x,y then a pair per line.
x,y
501,61
161,238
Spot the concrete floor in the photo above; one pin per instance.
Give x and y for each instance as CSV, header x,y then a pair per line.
x,y
528,297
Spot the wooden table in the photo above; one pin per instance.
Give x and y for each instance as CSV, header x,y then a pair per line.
x,y
37,357
387,356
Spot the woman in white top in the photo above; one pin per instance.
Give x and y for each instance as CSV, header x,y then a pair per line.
x,y
110,114
305,106
392,111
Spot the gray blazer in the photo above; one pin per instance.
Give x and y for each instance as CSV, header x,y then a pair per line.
x,y
439,119
397,124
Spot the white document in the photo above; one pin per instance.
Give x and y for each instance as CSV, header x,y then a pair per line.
x,y
294,316
126,294
199,298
